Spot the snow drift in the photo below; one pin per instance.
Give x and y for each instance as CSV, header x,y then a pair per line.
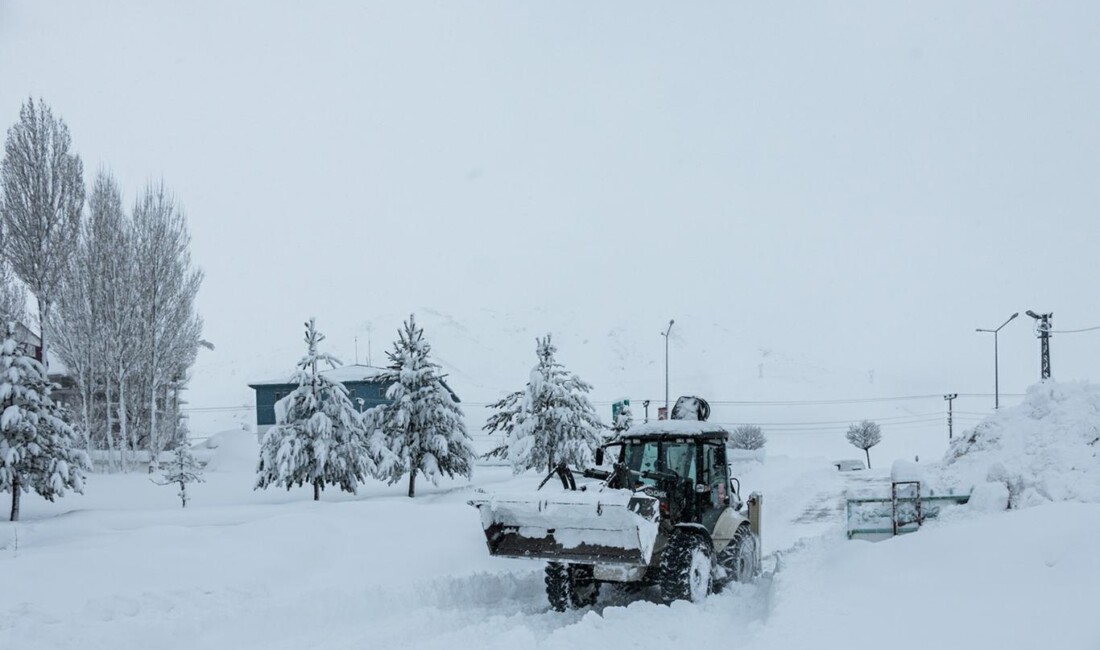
x,y
1045,449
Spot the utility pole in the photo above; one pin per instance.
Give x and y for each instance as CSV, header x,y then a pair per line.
x,y
996,369
1042,330
950,402
665,334
370,328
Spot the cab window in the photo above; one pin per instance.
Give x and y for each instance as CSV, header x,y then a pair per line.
x,y
717,474
677,458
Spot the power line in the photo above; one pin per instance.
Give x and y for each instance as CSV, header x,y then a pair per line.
x,y
930,423
861,400
848,421
1086,329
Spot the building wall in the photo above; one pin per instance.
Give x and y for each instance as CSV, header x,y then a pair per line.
x,y
371,393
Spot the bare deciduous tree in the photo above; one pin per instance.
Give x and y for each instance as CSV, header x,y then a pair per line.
x,y
43,195
79,320
126,318
863,436
748,436
13,296
166,290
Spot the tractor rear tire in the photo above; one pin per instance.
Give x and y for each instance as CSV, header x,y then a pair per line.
x,y
686,566
570,586
741,558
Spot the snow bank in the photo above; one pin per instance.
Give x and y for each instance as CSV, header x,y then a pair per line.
x,y
746,455
906,470
1006,580
1045,449
235,450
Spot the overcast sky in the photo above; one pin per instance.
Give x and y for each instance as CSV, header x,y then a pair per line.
x,y
858,183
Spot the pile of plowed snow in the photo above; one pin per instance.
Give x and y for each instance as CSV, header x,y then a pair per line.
x,y
1045,449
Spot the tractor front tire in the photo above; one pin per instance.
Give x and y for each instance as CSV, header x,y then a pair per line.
x,y
741,558
570,586
686,566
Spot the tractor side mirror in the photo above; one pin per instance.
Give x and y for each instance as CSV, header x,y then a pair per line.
x,y
599,456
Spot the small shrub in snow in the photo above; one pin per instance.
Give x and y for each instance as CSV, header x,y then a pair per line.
x,y
319,438
37,446
182,471
863,436
423,428
748,436
550,422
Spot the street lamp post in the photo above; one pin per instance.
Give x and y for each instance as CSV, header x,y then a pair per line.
x,y
665,334
996,369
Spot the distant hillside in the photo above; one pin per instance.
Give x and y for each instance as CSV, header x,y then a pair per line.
x,y
487,353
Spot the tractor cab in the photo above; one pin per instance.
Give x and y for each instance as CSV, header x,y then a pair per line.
x,y
681,463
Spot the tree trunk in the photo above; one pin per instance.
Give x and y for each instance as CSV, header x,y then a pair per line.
x,y
110,425
183,494
412,483
122,428
176,414
15,489
316,490
43,316
85,398
868,452
154,439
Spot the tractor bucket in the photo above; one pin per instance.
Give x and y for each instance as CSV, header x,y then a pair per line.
x,y
600,527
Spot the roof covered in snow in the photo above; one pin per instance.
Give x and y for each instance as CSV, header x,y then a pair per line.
x,y
658,428
342,374
351,373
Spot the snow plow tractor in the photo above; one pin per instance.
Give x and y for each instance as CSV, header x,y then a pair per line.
x,y
664,512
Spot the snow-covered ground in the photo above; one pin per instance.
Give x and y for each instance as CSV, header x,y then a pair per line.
x,y
124,567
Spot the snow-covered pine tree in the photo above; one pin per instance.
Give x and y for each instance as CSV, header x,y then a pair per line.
x,y
549,423
183,470
38,450
319,438
423,427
